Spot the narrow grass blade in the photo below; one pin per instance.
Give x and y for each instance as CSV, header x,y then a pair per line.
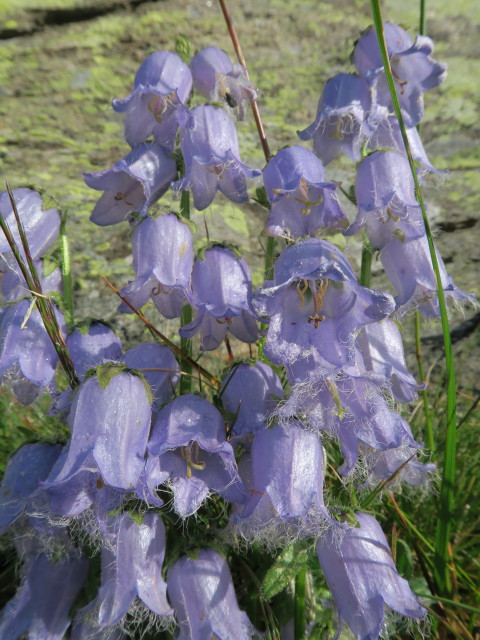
x,y
447,490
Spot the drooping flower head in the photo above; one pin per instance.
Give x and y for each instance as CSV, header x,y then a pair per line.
x,y
316,304
343,119
25,344
133,567
217,79
162,84
209,144
203,597
110,423
221,292
413,69
409,267
188,436
42,603
163,260
250,393
41,227
362,577
134,183
386,200
301,201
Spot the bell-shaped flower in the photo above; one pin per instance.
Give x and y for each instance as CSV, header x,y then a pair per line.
x,y
134,183
401,465
41,227
351,408
387,135
413,69
221,292
203,597
409,268
249,393
133,568
159,367
93,344
385,195
188,436
162,259
162,85
20,484
13,285
85,626
302,202
287,466
218,80
209,144
25,343
316,304
41,606
343,119
362,577
381,348
110,422
86,489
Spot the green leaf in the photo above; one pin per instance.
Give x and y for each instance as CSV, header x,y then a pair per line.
x,y
404,559
284,569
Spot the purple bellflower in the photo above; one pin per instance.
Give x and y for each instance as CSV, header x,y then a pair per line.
x,y
388,135
250,393
91,346
209,144
287,466
163,260
159,367
202,594
188,435
134,183
351,408
301,201
25,343
161,87
316,304
42,603
110,426
409,268
343,119
381,465
361,575
20,484
386,199
221,292
14,287
381,348
217,79
41,227
133,568
412,66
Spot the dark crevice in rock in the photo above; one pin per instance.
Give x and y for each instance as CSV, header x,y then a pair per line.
x,y
454,225
461,331
35,20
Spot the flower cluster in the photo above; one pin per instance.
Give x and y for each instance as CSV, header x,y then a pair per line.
x,y
332,364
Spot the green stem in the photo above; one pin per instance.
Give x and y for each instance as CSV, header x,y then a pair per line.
x,y
269,258
299,613
366,265
66,273
187,315
429,439
422,27
447,490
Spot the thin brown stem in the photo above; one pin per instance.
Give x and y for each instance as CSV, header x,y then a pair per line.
x,y
214,381
241,60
